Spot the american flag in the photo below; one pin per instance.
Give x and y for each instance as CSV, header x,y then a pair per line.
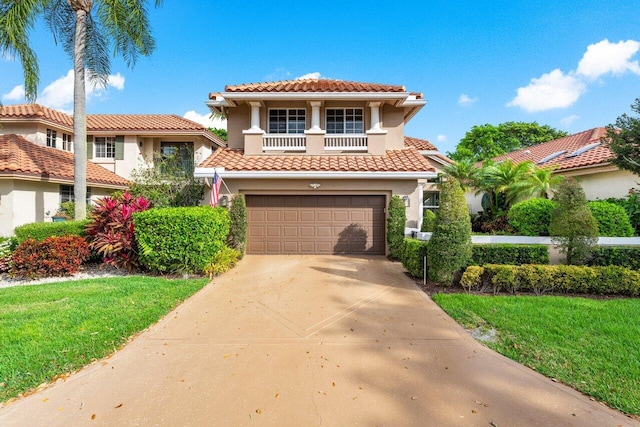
x,y
215,189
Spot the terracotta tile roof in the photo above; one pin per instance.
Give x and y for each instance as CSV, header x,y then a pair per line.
x,y
405,160
313,85
111,122
36,111
594,156
24,158
419,144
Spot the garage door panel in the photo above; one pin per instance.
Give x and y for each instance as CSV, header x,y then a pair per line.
x,y
317,224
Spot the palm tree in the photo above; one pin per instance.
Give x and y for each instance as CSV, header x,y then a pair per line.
x,y
86,38
538,183
465,171
495,181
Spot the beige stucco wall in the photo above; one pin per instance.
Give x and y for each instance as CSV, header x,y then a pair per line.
x,y
6,207
607,182
330,186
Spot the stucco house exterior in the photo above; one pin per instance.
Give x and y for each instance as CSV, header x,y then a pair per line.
x,y
318,161
116,143
581,156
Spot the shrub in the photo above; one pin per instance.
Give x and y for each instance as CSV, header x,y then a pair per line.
x,y
509,254
609,280
42,230
623,256
5,254
631,204
111,229
573,227
238,226
612,219
532,217
222,261
54,256
413,253
449,248
183,239
428,221
69,208
396,223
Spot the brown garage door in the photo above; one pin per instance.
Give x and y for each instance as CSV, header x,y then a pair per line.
x,y
315,224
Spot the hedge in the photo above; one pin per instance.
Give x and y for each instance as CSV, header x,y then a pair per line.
x,y
53,256
183,239
41,230
613,220
509,254
622,256
414,250
532,217
611,280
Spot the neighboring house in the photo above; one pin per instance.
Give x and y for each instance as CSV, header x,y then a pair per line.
x,y
116,145
34,180
581,156
318,161
118,142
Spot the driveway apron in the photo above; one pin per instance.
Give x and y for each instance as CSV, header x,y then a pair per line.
x,y
308,341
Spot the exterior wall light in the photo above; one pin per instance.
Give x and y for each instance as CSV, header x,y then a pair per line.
x,y
314,185
224,201
406,200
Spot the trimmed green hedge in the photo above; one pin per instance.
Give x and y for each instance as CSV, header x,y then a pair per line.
x,y
509,254
41,230
539,279
613,220
622,256
532,217
181,239
414,250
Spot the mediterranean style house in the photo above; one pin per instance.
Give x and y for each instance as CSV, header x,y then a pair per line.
x,y
36,160
581,156
318,161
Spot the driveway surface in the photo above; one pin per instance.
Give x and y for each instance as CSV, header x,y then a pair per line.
x,y
308,341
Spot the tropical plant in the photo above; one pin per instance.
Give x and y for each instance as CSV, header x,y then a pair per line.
x,y
53,256
111,231
396,222
449,248
573,228
465,171
539,182
496,180
86,28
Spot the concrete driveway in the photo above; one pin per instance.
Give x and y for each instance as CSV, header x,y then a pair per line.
x,y
308,341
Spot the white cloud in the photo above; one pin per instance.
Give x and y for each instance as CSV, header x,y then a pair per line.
x,y
465,100
16,94
206,120
569,119
441,138
278,74
314,75
551,90
606,57
59,94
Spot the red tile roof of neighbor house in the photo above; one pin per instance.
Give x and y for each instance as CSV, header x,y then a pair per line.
x,y
570,157
405,160
20,157
313,85
110,122
424,145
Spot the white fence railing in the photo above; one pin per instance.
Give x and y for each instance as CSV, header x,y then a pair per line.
x,y
284,143
532,240
345,142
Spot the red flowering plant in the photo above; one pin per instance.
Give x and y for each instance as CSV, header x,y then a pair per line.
x,y
110,230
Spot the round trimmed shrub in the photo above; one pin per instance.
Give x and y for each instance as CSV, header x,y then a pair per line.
x,y
613,220
532,217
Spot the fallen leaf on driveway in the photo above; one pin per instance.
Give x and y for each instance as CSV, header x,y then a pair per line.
x,y
118,406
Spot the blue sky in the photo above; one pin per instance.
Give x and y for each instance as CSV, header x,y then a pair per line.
x,y
570,64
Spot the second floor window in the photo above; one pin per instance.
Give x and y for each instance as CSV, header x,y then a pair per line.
x,y
291,120
345,120
66,142
51,138
105,146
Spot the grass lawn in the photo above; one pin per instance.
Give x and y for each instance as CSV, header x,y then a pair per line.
x,y
592,345
52,329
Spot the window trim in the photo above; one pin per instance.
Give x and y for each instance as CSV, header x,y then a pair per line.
x,y
344,110
67,142
288,121
52,136
67,194
106,140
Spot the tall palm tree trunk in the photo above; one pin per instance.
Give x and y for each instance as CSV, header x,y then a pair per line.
x,y
81,8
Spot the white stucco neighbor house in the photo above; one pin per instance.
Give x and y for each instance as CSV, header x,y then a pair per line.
x,y
37,145
581,156
318,161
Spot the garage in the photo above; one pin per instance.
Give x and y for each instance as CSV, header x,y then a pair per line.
x,y
315,224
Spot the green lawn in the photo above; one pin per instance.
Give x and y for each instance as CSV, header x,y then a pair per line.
x,y
51,329
592,345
